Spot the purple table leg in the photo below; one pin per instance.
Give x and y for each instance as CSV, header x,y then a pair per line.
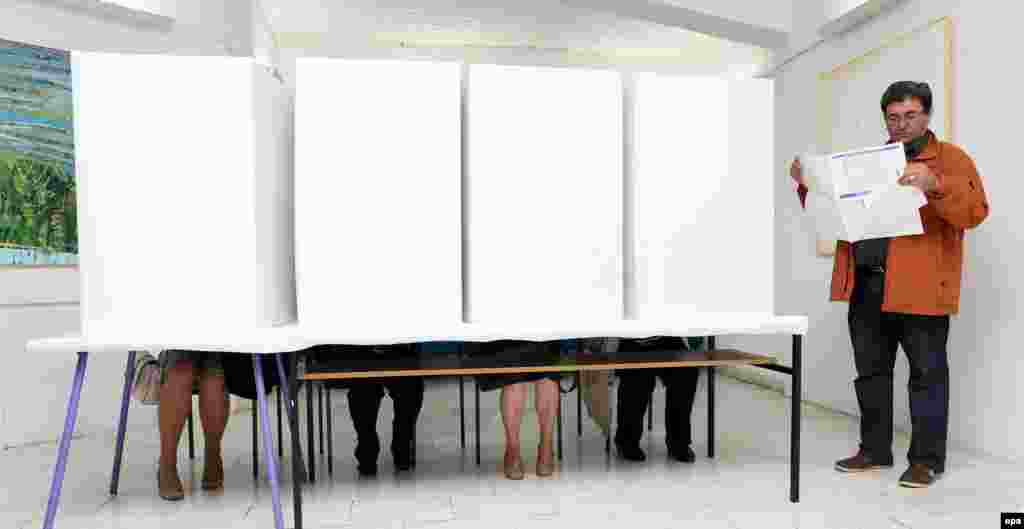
x,y
65,441
268,443
290,406
298,468
126,391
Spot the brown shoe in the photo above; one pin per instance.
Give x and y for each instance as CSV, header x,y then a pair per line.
x,y
169,485
918,476
213,473
860,463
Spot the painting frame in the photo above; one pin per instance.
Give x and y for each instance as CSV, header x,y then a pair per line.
x,y
40,284
38,203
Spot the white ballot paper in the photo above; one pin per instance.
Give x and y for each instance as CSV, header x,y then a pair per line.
x,y
856,195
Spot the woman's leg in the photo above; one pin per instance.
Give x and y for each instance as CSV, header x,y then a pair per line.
x,y
513,401
175,405
213,411
546,402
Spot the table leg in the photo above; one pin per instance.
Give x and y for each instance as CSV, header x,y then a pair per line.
x,y
65,441
711,402
280,430
290,385
268,442
320,402
122,424
794,455
290,389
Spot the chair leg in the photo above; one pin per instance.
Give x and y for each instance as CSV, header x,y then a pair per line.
x,y
558,412
608,435
579,406
268,443
255,441
122,423
310,432
476,386
191,432
320,399
462,413
65,441
330,432
650,415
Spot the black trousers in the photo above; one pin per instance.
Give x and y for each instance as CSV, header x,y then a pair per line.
x,y
364,399
635,389
876,335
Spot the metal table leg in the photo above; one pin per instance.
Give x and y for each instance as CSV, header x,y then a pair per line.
x,y
122,424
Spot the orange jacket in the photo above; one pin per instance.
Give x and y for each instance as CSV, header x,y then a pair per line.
x,y
923,271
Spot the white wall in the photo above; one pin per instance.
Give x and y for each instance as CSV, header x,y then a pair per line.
x,y
984,347
33,390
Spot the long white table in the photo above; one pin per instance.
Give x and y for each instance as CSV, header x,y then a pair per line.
x,y
295,338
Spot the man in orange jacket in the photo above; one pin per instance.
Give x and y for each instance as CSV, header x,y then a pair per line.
x,y
902,291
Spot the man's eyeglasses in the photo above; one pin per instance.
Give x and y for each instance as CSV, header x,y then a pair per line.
x,y
896,119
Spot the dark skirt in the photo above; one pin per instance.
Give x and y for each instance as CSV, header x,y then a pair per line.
x,y
511,352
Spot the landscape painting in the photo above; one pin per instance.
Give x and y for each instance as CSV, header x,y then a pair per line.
x,y
38,223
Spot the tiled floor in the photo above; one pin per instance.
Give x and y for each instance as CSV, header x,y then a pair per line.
x,y
744,487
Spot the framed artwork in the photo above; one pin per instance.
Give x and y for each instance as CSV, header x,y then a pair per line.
x,y
38,220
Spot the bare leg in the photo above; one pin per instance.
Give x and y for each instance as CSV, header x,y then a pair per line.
x,y
175,405
546,402
213,410
513,401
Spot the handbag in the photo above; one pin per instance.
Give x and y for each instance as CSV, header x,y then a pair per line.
x,y
146,385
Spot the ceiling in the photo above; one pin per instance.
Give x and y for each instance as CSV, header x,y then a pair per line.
x,y
539,24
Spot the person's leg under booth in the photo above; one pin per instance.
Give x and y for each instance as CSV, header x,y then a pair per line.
x,y
635,388
680,391
364,398
407,398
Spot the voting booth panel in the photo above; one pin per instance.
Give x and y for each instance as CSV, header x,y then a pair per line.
x,y
544,192
184,193
378,193
699,207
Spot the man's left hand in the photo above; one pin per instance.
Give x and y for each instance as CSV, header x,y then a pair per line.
x,y
920,176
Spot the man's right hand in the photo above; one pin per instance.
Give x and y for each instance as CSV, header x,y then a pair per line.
x,y
796,171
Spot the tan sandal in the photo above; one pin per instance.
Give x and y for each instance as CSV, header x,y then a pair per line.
x,y
515,470
545,469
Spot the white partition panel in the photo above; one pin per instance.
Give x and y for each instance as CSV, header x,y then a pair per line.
x,y
544,228
700,187
378,193
184,192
